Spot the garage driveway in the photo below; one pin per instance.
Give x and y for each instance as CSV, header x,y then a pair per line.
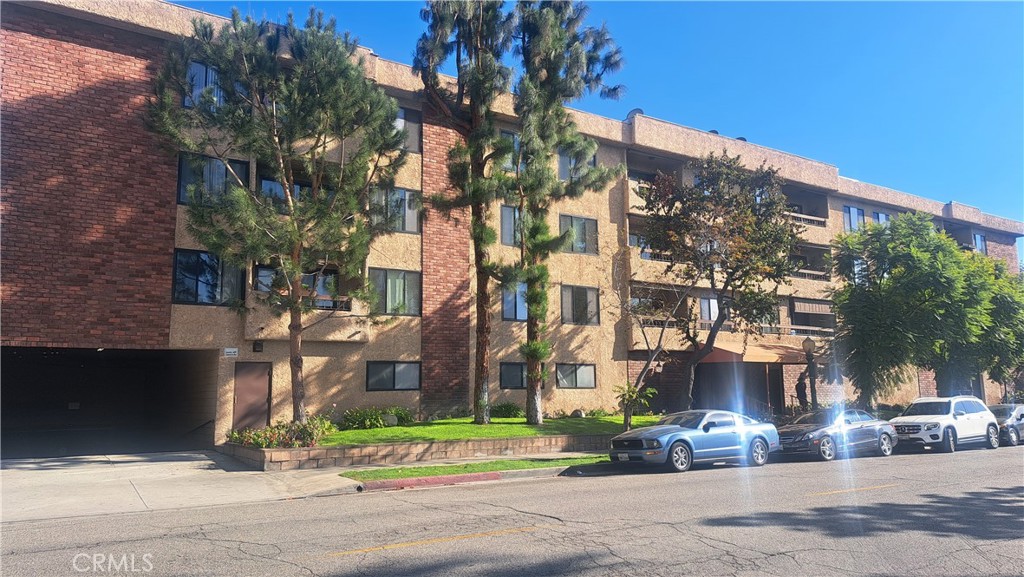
x,y
33,489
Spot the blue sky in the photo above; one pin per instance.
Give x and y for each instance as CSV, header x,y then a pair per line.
x,y
927,98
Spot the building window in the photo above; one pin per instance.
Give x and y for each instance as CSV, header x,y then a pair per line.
x,y
580,305
323,288
399,208
513,303
398,291
511,234
882,218
201,278
585,233
389,376
263,278
207,176
708,309
412,122
567,165
201,77
853,218
979,243
510,162
575,376
513,375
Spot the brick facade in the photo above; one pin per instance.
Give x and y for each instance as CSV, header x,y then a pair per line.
x,y
1002,247
89,204
926,383
445,350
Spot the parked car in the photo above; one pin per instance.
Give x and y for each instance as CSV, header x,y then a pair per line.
x,y
680,439
1011,422
947,422
828,432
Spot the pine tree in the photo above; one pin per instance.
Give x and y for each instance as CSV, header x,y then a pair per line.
x,y
478,34
561,61
296,101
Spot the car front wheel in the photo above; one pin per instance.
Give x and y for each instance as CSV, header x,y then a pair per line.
x,y
679,457
758,453
948,444
1012,437
993,437
826,449
884,445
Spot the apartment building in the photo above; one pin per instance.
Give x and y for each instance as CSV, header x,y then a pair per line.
x,y
113,315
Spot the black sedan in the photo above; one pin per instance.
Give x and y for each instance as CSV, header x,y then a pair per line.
x,y
1011,422
828,432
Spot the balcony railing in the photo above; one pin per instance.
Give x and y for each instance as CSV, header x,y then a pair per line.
x,y
704,325
797,330
808,219
811,274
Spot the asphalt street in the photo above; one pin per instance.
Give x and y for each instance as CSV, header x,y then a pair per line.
x,y
919,514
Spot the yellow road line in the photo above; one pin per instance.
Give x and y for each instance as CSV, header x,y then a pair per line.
x,y
435,540
851,490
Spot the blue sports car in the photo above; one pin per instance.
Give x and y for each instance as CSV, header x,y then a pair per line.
x,y
680,439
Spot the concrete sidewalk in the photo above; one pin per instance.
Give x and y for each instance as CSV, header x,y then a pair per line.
x,y
97,485
34,489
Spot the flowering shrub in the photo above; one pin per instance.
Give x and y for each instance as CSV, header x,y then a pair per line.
x,y
283,435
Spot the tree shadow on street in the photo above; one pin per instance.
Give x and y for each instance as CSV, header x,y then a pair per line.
x,y
992,513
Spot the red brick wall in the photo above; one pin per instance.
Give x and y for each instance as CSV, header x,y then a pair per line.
x,y
88,195
1002,247
926,383
445,352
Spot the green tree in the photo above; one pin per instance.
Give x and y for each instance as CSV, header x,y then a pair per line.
x,y
725,237
296,101
561,61
1006,336
911,296
478,34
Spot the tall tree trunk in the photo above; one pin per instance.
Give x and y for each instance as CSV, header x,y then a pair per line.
x,y
295,362
481,403
534,379
627,417
686,390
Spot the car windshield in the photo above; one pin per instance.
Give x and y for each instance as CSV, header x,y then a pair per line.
x,y
1001,412
688,420
816,418
927,408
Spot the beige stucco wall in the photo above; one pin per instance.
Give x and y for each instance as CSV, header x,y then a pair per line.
x,y
603,345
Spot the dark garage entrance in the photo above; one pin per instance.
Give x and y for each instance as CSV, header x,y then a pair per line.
x,y
62,402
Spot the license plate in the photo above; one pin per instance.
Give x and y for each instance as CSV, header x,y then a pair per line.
x,y
623,456
903,437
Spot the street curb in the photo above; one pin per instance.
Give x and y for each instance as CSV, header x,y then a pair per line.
x,y
442,480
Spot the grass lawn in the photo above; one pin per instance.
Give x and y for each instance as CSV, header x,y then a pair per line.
x,y
483,467
463,429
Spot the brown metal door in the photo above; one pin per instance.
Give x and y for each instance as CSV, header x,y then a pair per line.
x,y
252,395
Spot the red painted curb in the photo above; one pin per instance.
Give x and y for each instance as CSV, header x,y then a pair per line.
x,y
395,484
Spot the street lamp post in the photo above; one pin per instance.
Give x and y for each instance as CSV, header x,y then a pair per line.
x,y
812,370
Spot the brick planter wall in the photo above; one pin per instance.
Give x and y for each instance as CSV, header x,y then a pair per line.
x,y
398,453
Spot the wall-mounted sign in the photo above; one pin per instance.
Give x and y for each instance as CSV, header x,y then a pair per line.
x,y
231,352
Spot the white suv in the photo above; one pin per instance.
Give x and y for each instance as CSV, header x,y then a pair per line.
x,y
946,422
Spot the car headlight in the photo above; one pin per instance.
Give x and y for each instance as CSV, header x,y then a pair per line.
x,y
931,426
652,444
809,436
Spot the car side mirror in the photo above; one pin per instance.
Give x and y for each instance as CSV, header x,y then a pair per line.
x,y
708,425
959,414
848,421
1021,417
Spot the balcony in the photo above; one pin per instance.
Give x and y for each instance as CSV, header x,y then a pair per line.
x,y
811,274
334,320
798,331
807,219
811,263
